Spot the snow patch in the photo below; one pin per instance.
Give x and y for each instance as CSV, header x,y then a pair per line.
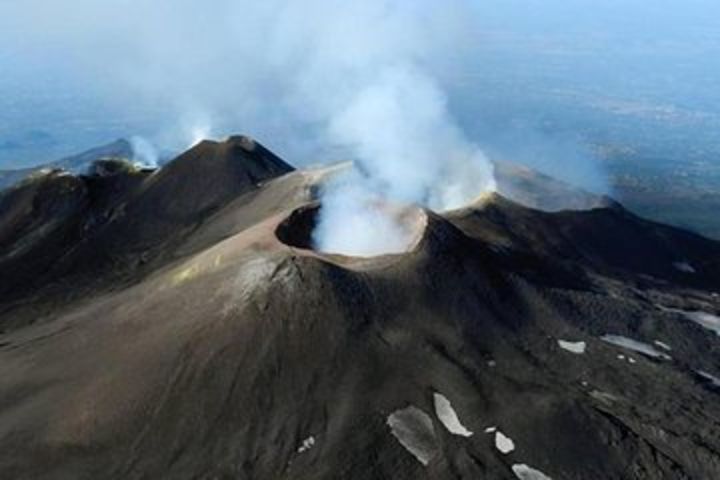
x,y
490,429
684,267
635,346
715,381
447,415
307,444
413,428
504,443
704,319
604,397
524,472
626,358
573,347
662,345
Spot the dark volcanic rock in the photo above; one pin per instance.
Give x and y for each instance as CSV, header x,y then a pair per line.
x,y
536,190
124,221
235,351
609,239
76,164
209,174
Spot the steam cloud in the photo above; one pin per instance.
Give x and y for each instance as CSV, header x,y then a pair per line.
x,y
364,78
144,152
409,150
367,78
353,221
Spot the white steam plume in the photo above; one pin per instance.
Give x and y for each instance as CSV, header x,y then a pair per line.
x,y
198,134
195,128
409,149
366,78
402,134
353,222
144,153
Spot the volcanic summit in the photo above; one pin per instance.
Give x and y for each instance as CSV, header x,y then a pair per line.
x,y
181,324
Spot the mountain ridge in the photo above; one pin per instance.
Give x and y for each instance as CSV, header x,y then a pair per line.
x,y
236,350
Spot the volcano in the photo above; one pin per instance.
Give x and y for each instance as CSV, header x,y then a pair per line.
x,y
180,324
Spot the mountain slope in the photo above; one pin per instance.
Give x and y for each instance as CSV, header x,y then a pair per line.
x,y
242,353
78,164
537,190
611,240
121,224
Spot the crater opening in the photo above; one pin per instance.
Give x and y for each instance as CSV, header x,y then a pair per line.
x,y
392,229
297,229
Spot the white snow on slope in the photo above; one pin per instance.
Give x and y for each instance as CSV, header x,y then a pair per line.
x,y
413,428
307,444
663,345
704,319
635,346
523,472
684,267
504,443
446,413
710,377
574,347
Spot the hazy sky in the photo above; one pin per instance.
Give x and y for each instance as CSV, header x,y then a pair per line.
x,y
74,74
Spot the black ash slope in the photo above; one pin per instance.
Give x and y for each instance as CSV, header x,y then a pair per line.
x,y
226,353
77,164
63,235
